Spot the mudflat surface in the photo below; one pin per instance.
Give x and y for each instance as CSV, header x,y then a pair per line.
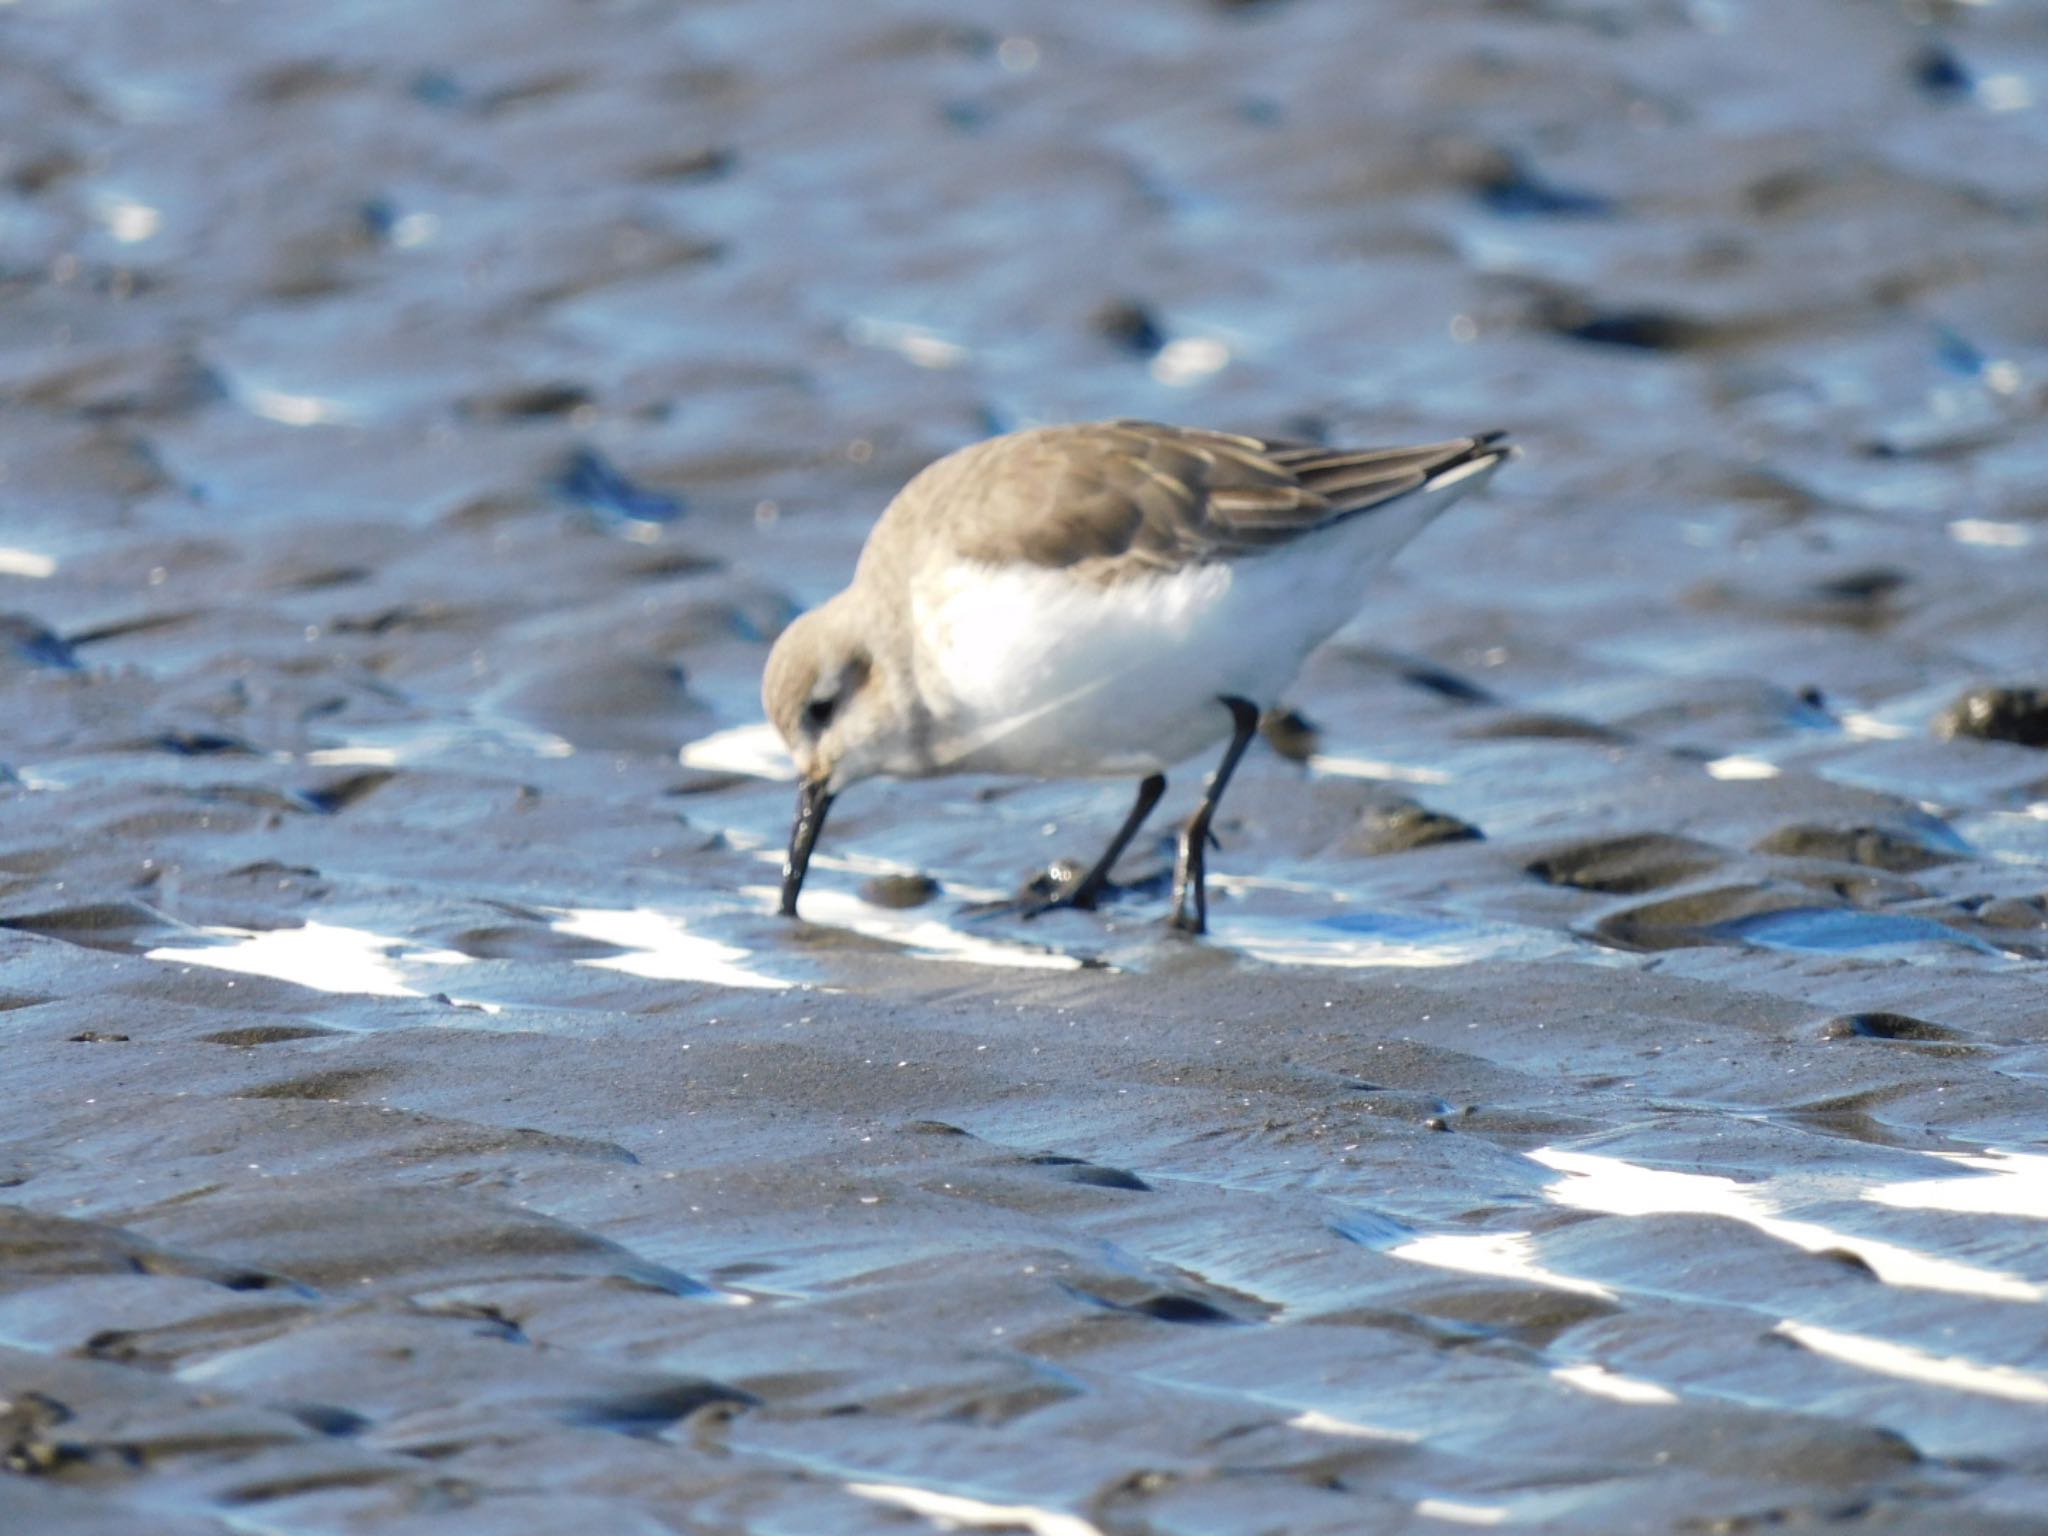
x,y
1612,1098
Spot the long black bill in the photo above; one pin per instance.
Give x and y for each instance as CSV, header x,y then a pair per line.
x,y
812,802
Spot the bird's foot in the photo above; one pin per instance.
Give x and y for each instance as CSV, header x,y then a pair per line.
x,y
1063,887
1063,883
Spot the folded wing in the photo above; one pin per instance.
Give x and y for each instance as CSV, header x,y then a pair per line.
x,y
1117,500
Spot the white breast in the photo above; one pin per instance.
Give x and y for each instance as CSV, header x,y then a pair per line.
x,y
1029,670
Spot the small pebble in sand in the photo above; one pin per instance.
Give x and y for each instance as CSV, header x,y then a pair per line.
x,y
899,892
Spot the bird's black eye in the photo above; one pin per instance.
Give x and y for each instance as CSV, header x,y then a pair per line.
x,y
818,714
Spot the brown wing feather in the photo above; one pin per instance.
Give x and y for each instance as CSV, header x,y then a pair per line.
x,y
1116,500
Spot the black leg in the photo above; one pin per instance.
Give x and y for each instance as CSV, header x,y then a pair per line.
x,y
1088,889
1192,865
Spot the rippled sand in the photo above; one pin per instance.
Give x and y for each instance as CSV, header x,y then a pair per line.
x,y
1612,1098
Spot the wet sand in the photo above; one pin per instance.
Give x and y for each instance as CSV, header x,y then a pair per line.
x,y
1612,1096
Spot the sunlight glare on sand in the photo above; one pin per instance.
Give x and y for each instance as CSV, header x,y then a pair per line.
x,y
660,947
1738,768
1317,1422
322,956
26,562
929,938
2013,1184
1508,1255
1348,767
1598,1381
913,343
950,1511
1618,1188
288,409
754,750
1460,1514
1906,1363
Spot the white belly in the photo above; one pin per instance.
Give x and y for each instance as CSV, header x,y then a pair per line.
x,y
1029,670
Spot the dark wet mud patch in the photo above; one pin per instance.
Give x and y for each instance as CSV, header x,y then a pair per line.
x,y
650,1411
534,941
26,642
1861,1116
2018,715
34,1442
1866,598
186,742
1075,1170
1890,1026
1536,726
1162,1306
588,480
1534,1316
1402,825
281,1487
1898,851
1858,885
1627,866
34,1243
1633,329
123,927
1128,325
1773,916
338,1085
165,1346
1374,667
1507,185
1917,1036
405,1238
2007,912
530,402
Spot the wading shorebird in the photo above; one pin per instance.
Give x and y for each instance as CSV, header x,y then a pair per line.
x,y
1098,600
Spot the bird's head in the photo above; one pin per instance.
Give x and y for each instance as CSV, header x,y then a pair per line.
x,y
830,703
838,714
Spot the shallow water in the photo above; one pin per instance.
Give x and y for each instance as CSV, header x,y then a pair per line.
x,y
1611,1098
